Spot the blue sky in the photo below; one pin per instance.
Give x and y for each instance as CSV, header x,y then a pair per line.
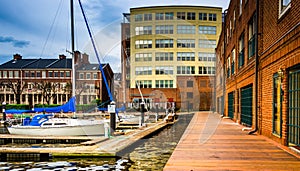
x,y
40,28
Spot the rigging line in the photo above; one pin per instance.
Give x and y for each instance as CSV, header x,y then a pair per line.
x,y
52,24
96,52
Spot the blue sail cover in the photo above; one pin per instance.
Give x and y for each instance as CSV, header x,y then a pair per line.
x,y
68,107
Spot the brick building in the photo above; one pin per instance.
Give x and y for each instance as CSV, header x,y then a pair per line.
x,y
48,81
261,61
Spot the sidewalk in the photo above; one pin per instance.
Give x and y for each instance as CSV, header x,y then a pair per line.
x,y
214,143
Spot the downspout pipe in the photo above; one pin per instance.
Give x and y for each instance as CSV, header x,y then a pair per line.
x,y
256,70
224,62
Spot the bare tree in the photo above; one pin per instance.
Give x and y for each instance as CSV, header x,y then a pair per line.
x,y
17,87
49,90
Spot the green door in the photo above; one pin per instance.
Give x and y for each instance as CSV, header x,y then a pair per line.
x,y
294,107
246,105
230,104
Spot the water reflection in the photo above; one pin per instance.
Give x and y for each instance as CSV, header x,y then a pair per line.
x,y
155,151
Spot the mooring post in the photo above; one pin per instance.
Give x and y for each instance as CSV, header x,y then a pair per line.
x,y
3,111
112,112
142,113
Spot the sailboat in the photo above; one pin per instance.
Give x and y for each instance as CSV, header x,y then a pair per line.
x,y
48,124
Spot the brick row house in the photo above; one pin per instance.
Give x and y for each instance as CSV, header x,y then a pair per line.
x,y
259,68
48,81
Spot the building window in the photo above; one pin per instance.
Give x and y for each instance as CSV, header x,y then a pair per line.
x,y
164,84
185,70
212,17
68,74
190,84
95,76
206,56
191,16
143,84
43,74
203,16
62,74
88,76
55,74
284,5
181,15
233,62
241,6
189,95
143,57
204,43
164,56
164,70
146,30
277,104
185,29
206,70
147,17
16,73
143,44
241,51
138,17
208,30
159,16
164,29
228,67
252,33
50,74
164,43
145,70
185,43
169,15
10,74
185,56
81,76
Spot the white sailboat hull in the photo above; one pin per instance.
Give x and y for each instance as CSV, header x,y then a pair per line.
x,y
62,127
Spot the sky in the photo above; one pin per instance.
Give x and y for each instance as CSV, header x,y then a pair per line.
x,y
41,28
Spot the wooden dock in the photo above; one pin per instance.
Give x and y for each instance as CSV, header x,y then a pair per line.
x,y
214,143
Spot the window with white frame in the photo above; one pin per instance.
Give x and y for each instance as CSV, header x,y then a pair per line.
x,y
164,83
88,75
144,70
241,7
159,16
169,15
138,17
10,74
284,5
185,29
203,16
164,29
81,76
164,43
251,36
206,56
164,56
205,43
185,56
164,70
143,44
95,76
143,84
16,74
181,15
233,61
185,69
206,70
207,30
186,43
191,16
143,30
143,57
148,17
212,17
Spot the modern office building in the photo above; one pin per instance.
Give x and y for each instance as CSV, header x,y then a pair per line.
x,y
172,54
259,54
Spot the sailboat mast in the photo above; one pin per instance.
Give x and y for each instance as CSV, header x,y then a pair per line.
x,y
72,47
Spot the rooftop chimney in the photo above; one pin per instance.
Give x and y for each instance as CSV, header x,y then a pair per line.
x,y
17,57
77,55
85,58
62,56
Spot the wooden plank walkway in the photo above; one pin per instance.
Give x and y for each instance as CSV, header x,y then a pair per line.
x,y
214,143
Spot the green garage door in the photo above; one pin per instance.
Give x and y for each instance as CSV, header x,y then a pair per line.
x,y
246,105
230,104
294,107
